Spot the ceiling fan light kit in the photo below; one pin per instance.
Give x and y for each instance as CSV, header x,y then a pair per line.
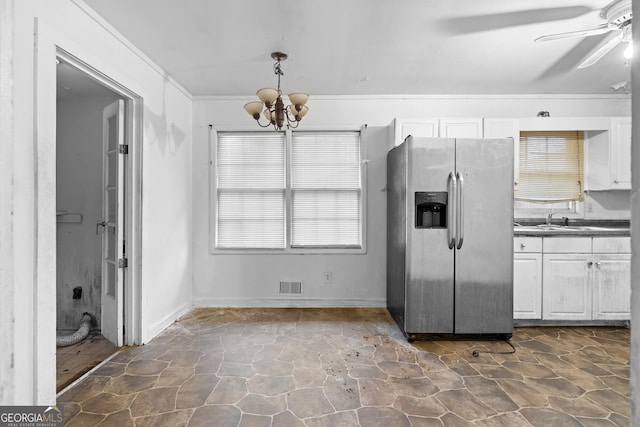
x,y
618,16
270,99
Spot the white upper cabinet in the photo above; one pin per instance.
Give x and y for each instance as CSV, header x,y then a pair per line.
x,y
607,140
461,128
402,128
620,153
506,128
608,156
433,128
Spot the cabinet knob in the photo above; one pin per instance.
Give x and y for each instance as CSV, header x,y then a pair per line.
x,y
522,245
598,264
615,181
590,263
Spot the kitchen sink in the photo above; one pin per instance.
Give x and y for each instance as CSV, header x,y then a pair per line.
x,y
591,228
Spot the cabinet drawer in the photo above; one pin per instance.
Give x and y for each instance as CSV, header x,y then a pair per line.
x,y
612,245
566,245
527,244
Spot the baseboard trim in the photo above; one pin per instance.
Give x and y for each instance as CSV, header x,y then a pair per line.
x,y
161,325
289,302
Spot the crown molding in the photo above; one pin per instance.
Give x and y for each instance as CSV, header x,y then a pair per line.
x,y
401,97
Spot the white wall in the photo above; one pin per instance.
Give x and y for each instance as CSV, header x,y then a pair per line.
x,y
166,268
253,280
8,284
79,191
614,204
359,280
635,240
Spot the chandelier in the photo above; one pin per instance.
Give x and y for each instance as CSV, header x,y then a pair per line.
x,y
271,100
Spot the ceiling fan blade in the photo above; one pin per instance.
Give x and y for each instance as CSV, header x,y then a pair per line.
x,y
600,29
602,51
476,23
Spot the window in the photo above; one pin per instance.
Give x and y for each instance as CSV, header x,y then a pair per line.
x,y
288,190
251,190
325,189
551,168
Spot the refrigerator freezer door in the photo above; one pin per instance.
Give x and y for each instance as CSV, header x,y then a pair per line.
x,y
397,232
484,263
429,286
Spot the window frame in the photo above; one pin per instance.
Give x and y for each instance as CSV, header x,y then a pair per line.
x,y
570,209
288,249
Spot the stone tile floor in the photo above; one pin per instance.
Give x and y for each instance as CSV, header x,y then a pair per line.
x,y
353,367
76,360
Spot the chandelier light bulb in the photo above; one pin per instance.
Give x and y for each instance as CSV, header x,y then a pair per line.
x,y
253,108
267,95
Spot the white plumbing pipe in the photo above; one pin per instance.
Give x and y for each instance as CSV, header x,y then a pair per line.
x,y
77,336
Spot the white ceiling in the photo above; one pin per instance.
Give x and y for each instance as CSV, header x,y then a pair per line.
x,y
372,47
73,83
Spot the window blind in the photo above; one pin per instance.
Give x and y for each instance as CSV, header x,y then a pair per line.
x,y
551,167
326,189
250,174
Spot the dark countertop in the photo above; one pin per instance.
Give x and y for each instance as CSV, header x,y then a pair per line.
x,y
587,228
542,232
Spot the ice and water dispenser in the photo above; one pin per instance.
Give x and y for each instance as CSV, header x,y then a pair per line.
x,y
431,209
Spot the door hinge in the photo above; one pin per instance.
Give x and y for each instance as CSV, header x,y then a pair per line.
x,y
123,149
123,263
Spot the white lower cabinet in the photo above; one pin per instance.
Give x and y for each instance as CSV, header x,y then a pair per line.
x,y
567,286
527,278
573,278
612,286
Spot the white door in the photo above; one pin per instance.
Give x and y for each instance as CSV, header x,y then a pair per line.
x,y
113,250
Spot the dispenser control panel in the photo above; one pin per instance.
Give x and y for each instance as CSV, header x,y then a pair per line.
x,y
431,209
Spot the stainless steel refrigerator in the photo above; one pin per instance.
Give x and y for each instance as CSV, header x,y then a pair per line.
x,y
450,236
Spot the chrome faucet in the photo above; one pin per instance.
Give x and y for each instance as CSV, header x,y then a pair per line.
x,y
549,215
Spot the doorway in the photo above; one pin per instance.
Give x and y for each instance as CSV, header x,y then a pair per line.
x,y
90,221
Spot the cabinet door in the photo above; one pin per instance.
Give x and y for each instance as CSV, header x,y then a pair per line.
x,y
461,128
566,293
620,153
506,128
612,287
527,286
401,128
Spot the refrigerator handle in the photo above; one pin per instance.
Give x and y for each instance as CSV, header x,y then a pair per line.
x,y
451,240
460,211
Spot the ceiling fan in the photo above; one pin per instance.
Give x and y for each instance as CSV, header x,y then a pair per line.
x,y
617,15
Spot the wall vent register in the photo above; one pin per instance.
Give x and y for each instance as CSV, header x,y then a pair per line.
x,y
290,288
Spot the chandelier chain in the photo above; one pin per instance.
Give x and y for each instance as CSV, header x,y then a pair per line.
x,y
277,70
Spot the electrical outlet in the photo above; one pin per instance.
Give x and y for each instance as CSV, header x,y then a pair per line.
x,y
328,277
